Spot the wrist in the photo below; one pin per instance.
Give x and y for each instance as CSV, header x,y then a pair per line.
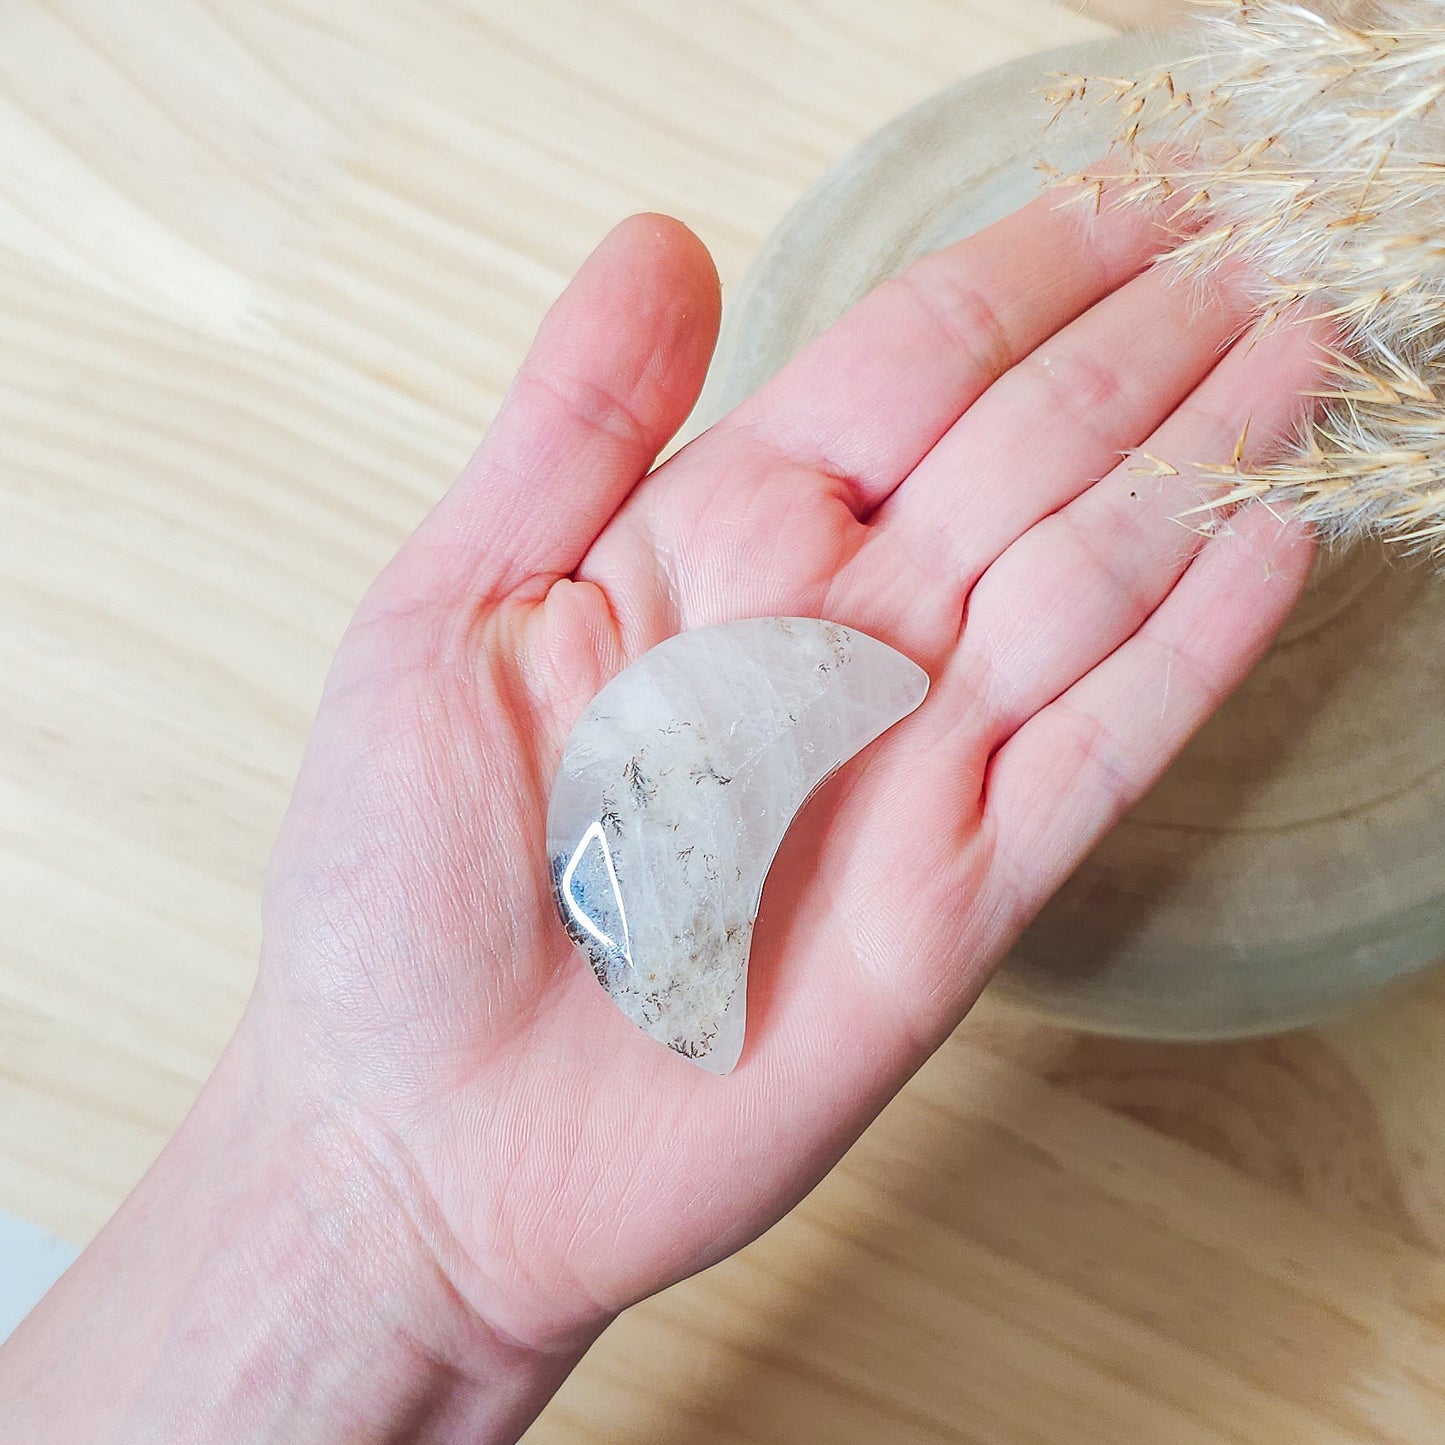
x,y
356,1328
272,1277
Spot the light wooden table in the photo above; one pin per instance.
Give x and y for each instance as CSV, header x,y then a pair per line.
x,y
265,268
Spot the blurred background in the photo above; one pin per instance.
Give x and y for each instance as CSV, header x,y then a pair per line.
x,y
266,267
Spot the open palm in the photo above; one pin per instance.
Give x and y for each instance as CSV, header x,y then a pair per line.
x,y
943,470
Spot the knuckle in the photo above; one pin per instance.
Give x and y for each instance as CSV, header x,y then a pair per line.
x,y
1067,381
591,406
964,315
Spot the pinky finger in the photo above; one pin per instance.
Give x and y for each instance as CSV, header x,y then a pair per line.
x,y
1079,764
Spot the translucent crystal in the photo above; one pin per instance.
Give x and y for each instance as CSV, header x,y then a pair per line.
x,y
674,792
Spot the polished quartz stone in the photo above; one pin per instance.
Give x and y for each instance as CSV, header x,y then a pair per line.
x,y
674,792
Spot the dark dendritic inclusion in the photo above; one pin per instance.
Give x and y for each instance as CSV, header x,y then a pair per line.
x,y
589,905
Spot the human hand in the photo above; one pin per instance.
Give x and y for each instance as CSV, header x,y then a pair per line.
x,y
942,470
928,473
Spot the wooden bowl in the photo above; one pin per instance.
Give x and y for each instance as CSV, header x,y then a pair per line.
x,y
1292,861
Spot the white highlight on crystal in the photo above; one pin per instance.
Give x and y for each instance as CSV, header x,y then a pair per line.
x,y
570,872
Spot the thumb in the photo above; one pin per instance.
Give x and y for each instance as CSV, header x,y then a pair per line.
x,y
615,369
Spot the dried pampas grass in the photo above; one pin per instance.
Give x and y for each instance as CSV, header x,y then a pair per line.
x,y
1310,141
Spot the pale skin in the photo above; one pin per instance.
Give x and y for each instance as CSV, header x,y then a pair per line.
x,y
435,1162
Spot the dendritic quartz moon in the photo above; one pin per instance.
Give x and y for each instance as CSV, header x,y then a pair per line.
x,y
674,792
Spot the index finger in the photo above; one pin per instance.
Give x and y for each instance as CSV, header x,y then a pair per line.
x,y
870,397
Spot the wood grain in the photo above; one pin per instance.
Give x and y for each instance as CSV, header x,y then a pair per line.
x,y
265,269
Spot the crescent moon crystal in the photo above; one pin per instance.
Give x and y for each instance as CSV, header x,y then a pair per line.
x,y
675,790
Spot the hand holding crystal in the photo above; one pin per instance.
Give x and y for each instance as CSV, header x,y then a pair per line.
x,y
502,1161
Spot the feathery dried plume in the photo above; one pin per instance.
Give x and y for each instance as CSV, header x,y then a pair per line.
x,y
1310,142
